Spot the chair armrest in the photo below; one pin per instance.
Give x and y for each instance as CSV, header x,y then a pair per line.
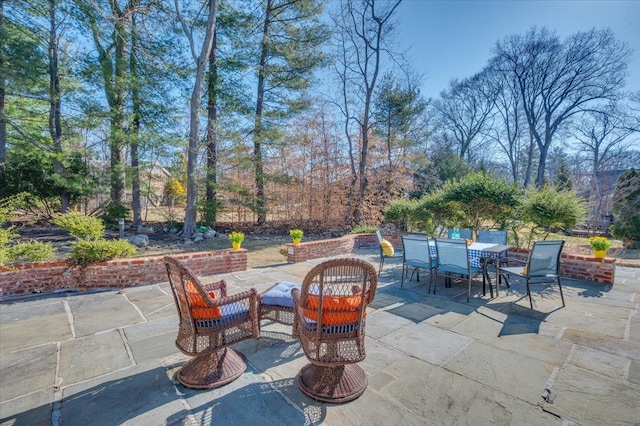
x,y
219,287
248,297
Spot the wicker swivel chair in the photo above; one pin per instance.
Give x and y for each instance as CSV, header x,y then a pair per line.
x,y
210,321
330,320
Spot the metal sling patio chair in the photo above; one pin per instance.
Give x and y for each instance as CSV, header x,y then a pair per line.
x,y
496,237
465,233
452,260
384,252
416,255
330,312
209,322
542,266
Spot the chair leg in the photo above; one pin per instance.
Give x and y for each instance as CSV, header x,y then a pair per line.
x,y
561,295
435,282
381,265
529,293
403,272
469,290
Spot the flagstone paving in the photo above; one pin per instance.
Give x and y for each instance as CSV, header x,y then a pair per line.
x,y
109,358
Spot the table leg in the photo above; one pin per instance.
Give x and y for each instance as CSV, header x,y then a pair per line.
x,y
498,276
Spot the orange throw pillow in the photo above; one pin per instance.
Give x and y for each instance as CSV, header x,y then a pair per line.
x,y
336,309
199,306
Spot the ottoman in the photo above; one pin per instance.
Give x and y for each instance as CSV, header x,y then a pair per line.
x,y
276,304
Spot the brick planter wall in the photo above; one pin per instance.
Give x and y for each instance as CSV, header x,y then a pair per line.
x,y
40,277
336,246
576,266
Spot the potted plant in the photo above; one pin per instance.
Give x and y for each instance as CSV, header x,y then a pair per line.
x,y
296,235
600,245
236,238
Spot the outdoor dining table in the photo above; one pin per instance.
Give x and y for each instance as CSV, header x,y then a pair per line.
x,y
482,255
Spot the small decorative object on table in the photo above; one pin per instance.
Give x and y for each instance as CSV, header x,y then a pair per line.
x,y
296,235
236,239
600,245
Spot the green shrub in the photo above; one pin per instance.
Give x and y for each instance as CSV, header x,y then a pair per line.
x,y
549,208
81,226
113,213
85,252
6,235
209,211
364,229
32,251
4,255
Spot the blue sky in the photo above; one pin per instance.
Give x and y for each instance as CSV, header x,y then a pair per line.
x,y
454,38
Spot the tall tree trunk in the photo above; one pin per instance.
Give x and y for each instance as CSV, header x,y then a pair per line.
x,y
212,129
135,127
257,132
55,102
118,99
3,121
191,210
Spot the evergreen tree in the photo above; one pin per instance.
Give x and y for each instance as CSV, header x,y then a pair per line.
x,y
290,51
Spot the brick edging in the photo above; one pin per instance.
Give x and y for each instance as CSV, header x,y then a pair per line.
x,y
43,277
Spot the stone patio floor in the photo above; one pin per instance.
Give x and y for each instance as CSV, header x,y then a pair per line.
x,y
109,358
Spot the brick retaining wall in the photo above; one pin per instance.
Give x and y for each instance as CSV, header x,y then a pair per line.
x,y
576,266
335,246
40,277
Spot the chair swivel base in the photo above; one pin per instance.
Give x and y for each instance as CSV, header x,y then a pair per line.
x,y
212,370
332,384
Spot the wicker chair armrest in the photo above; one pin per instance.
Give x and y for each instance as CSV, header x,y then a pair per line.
x,y
219,287
251,295
295,295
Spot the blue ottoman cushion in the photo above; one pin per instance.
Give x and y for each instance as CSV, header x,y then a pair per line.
x,y
280,294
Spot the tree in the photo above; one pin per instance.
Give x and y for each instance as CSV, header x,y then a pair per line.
x,y
289,54
362,36
397,106
482,198
549,208
110,27
626,207
22,65
464,109
510,129
602,135
558,80
201,59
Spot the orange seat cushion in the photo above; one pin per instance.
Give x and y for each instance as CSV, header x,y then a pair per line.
x,y
199,307
336,309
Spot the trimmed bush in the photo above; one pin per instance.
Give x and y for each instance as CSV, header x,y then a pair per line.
x,y
85,252
81,226
364,229
32,251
